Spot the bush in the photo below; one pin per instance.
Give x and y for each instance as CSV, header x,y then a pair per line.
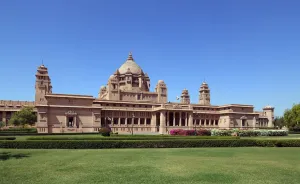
x,y
92,144
249,133
7,138
204,132
217,132
19,130
294,129
201,132
105,131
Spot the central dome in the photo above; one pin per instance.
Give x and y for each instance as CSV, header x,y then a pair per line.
x,y
131,65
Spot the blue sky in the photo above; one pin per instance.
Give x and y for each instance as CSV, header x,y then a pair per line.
x,y
248,51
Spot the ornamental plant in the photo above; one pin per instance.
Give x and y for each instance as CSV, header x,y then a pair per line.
x,y
203,132
105,131
182,132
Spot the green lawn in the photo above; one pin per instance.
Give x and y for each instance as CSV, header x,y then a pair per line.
x,y
194,165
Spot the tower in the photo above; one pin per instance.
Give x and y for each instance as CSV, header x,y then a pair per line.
x,y
269,112
42,85
113,88
161,90
204,94
185,97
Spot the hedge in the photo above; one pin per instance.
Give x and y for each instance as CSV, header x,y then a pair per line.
x,y
201,132
25,130
92,144
129,137
294,129
7,138
249,133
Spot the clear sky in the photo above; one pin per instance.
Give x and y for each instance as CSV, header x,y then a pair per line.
x,y
247,50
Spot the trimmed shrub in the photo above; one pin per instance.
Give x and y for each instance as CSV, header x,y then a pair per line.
x,y
19,130
217,132
105,131
294,129
7,138
201,132
147,144
249,133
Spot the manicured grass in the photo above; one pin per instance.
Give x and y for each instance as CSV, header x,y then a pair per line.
x,y
193,165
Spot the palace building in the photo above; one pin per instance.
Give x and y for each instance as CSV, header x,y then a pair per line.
x,y
127,105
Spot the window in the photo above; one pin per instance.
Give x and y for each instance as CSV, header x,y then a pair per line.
x,y
243,122
138,96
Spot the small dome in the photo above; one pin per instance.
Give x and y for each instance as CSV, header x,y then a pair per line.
x,y
268,107
102,87
204,84
131,64
112,77
185,91
161,82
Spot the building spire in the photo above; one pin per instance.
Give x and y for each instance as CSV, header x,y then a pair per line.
x,y
130,56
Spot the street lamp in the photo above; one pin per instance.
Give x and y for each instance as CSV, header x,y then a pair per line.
x,y
132,123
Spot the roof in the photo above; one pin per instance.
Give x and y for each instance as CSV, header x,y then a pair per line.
x,y
130,64
69,96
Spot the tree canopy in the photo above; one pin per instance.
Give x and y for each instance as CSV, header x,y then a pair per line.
x,y
279,122
292,116
25,116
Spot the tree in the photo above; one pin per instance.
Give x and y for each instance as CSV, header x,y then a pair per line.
x,y
292,116
2,124
279,122
23,117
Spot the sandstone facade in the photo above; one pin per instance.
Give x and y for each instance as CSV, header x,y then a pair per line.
x,y
127,105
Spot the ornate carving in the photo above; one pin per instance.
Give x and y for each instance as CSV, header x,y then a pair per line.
x,y
97,117
244,117
71,113
176,106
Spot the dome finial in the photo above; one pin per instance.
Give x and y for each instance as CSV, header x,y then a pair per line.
x,y
130,56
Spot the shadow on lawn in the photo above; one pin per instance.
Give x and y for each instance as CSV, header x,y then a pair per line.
x,y
7,155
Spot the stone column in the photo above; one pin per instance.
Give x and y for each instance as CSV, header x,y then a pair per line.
x,y
254,122
119,121
139,121
174,118
125,121
168,119
75,123
186,119
191,120
179,118
100,119
162,126
4,117
153,122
